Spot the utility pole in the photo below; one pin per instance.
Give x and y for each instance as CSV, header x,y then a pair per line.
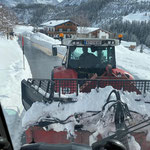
x,y
22,39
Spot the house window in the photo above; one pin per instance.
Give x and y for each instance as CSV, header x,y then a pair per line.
x,y
60,30
68,30
103,37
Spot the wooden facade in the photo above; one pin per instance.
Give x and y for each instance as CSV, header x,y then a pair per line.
x,y
68,28
90,32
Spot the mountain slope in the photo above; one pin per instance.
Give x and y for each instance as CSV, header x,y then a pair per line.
x,y
13,3
71,2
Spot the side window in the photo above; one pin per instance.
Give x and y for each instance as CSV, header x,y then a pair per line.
x,y
104,55
76,53
110,55
89,51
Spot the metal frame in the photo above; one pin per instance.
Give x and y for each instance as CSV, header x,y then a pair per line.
x,y
85,85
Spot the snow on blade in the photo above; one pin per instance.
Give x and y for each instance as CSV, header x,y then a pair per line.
x,y
93,101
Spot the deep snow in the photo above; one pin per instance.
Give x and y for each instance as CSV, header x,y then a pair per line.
x,y
11,73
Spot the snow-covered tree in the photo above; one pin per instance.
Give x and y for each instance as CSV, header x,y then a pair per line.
x,y
7,19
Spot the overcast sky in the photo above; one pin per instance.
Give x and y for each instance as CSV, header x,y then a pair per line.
x,y
60,0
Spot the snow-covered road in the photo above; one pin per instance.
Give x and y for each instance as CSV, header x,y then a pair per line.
x,y
40,63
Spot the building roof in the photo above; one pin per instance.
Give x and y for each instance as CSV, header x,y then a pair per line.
x,y
86,30
53,23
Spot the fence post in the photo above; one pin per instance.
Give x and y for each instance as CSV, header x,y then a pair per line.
x,y
22,40
59,89
77,88
97,84
40,82
144,88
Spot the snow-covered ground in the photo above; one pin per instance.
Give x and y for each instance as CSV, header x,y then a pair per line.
x,y
136,63
20,29
138,16
11,73
41,39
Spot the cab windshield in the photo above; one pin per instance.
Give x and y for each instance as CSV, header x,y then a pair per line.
x,y
91,57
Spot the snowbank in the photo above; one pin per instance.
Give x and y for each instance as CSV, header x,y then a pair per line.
x,y
99,124
136,63
93,101
19,29
11,74
145,49
40,39
47,42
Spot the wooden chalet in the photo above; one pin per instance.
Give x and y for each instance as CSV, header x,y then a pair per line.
x,y
90,32
54,27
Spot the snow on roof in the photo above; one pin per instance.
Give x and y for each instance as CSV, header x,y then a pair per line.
x,y
86,30
54,23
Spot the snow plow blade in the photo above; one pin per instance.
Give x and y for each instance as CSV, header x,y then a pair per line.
x,y
31,91
61,90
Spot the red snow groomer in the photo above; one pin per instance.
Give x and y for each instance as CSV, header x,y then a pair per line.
x,y
88,64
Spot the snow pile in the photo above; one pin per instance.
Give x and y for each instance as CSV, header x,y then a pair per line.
x,y
127,44
93,101
144,48
44,38
20,29
40,39
136,63
47,42
11,74
101,123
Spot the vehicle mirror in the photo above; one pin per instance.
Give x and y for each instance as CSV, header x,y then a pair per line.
x,y
54,51
63,63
